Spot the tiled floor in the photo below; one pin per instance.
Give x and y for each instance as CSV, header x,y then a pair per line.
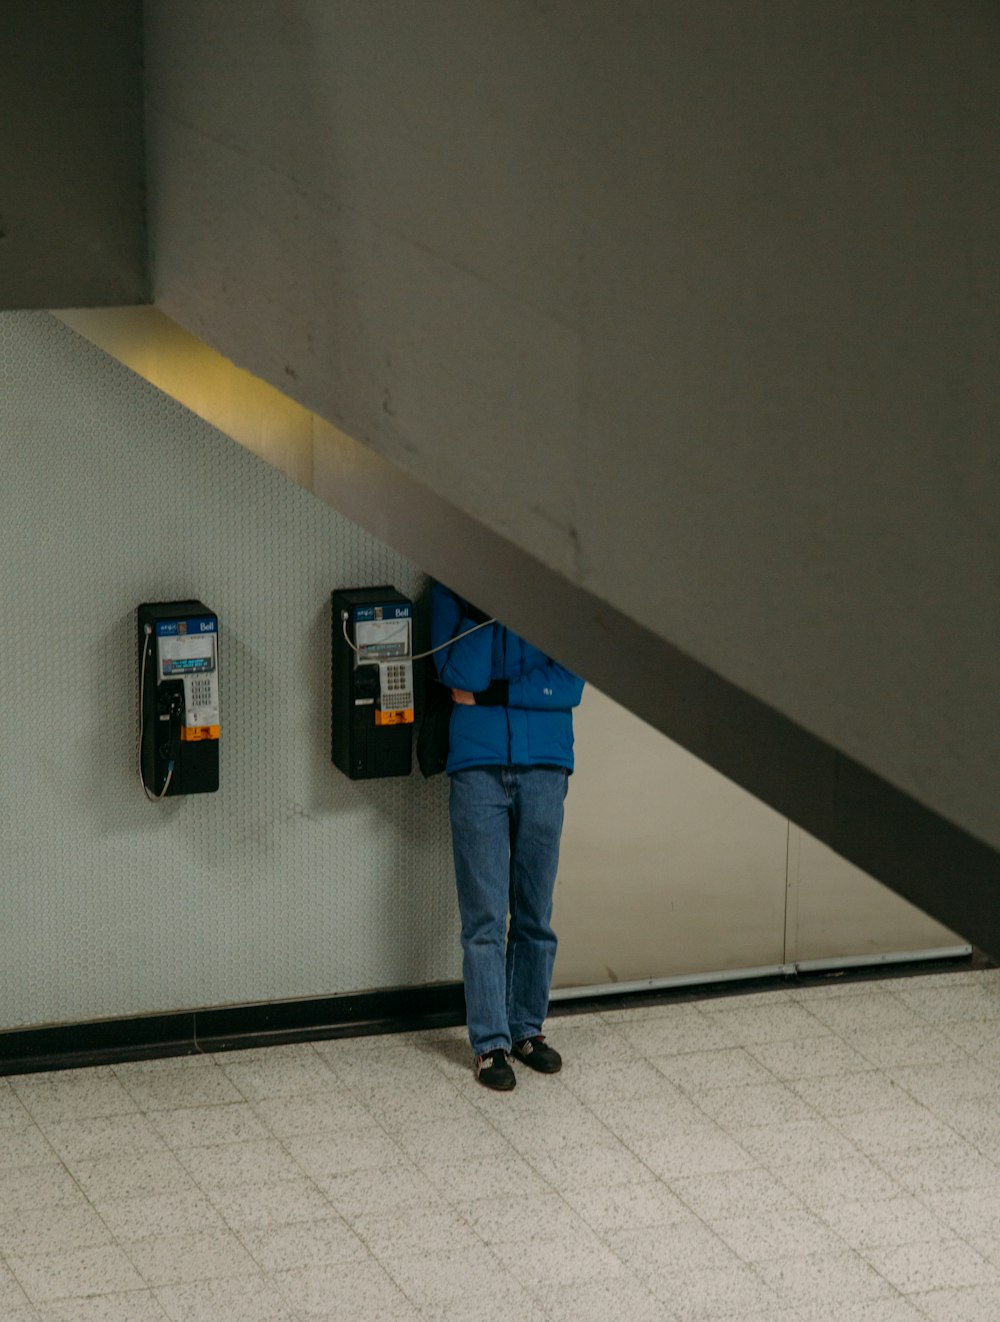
x,y
797,1155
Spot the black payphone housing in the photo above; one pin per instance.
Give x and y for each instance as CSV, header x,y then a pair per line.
x,y
179,698
372,682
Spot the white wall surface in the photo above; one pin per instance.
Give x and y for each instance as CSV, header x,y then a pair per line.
x,y
696,303
291,880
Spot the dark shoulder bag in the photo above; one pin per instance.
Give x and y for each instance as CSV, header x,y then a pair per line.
x,y
432,741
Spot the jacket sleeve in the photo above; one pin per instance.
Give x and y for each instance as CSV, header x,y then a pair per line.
x,y
466,664
548,687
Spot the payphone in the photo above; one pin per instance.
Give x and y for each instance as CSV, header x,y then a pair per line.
x,y
178,698
372,681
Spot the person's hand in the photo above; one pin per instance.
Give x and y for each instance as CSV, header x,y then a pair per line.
x,y
463,697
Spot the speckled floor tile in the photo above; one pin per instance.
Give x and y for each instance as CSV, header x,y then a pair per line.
x,y
133,1306
73,1095
638,1078
416,1230
303,1244
940,1169
946,1263
257,1161
513,1179
373,1179
684,1246
948,1002
26,1148
14,1115
776,1235
207,1126
242,1299
136,1175
598,1301
973,1035
780,1021
592,1164
363,1292
909,1047
850,1094
356,1193
972,1305
757,1104
263,1205
876,1013
12,1296
698,1151
299,1117
730,1067
678,1034
103,1136
321,1156
712,1293
651,1112
615,1207
181,1088
180,1259
810,1058
293,1074
176,1212
967,1211
894,1129
38,1186
889,1223
778,1146
942,1084
58,1229
442,1281
104,1269
826,1183
735,1193
844,1276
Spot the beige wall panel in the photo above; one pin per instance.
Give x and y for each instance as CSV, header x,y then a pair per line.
x,y
667,867
843,912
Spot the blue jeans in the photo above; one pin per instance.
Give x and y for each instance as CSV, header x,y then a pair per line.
x,y
505,828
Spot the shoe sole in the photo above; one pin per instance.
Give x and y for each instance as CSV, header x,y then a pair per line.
x,y
537,1066
497,1087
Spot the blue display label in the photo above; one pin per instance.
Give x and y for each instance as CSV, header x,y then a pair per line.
x,y
201,624
394,611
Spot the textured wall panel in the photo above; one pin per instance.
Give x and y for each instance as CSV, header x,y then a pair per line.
x,y
291,881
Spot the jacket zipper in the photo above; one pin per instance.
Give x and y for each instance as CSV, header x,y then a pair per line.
x,y
506,710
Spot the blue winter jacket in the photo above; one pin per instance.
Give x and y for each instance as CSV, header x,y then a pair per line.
x,y
523,713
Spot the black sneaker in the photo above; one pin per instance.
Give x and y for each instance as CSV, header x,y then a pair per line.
x,y
493,1070
537,1053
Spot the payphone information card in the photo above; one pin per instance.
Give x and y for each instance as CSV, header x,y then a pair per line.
x,y
186,646
382,632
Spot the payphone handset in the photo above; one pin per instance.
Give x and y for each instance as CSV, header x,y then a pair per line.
x,y
383,637
179,699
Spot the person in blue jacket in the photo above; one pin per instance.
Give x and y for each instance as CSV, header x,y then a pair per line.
x,y
510,756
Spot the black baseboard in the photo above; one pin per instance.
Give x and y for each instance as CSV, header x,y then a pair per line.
x,y
400,1010
229,1028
